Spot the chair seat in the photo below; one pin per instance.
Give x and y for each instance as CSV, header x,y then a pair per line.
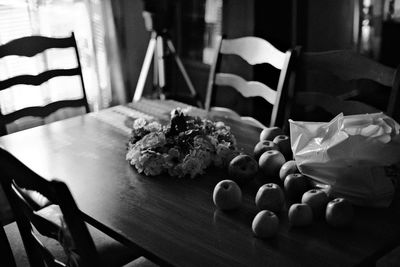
x,y
111,252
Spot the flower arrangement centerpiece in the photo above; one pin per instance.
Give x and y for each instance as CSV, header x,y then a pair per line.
x,y
184,147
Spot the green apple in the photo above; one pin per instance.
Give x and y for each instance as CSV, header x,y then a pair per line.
x,y
317,200
263,146
227,195
288,168
283,143
300,214
270,197
242,168
339,212
271,162
265,224
270,133
295,185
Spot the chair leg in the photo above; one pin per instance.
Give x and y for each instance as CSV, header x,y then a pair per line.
x,y
7,257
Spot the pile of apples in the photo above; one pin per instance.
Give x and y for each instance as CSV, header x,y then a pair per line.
x,y
273,158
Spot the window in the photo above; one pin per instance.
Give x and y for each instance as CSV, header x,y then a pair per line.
x,y
20,18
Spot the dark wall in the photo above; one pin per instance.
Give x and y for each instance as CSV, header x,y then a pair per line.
x,y
238,21
274,22
390,52
314,24
238,18
329,24
133,40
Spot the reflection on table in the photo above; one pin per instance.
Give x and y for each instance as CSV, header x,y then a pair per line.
x,y
174,220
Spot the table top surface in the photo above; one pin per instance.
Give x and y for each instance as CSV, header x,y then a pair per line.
x,y
173,219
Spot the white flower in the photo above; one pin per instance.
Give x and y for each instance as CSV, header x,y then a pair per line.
x,y
152,140
153,127
150,163
139,123
224,154
191,166
185,149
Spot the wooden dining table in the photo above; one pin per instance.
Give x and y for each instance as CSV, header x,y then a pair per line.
x,y
174,220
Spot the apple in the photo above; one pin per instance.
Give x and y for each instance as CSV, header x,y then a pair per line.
x,y
283,143
295,185
227,195
339,212
271,162
300,214
270,133
288,168
317,200
270,197
263,146
265,224
242,168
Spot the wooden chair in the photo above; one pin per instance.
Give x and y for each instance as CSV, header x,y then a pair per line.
x,y
31,46
254,51
7,257
332,82
62,221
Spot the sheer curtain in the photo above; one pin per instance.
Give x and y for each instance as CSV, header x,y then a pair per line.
x,y
92,23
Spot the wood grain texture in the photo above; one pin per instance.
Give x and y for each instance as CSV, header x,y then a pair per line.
x,y
174,220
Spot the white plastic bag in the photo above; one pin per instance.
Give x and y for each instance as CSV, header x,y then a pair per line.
x,y
350,154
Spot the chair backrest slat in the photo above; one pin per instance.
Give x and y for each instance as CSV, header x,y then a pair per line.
x,y
32,45
253,50
42,111
247,89
343,81
334,105
28,47
38,79
348,65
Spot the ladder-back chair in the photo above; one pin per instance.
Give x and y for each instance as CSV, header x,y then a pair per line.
x,y
254,51
28,47
345,82
61,221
